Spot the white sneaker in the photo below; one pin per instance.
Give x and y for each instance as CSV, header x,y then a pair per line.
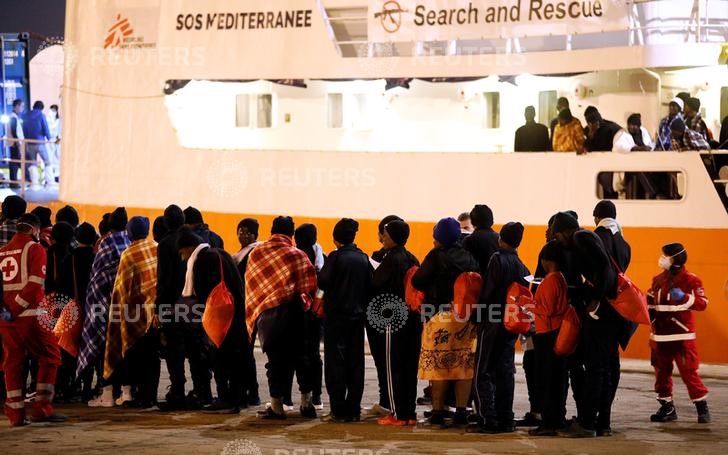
x,y
376,411
103,401
286,408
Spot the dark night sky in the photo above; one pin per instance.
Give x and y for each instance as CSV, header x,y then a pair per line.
x,y
42,18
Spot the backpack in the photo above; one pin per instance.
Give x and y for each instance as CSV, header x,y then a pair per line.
x,y
630,302
517,319
466,293
568,338
219,311
412,297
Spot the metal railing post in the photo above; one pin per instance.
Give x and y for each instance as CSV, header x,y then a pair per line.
x,y
22,169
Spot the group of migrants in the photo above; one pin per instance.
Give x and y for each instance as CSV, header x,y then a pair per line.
x,y
682,129
143,293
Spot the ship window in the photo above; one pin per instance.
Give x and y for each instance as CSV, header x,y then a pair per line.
x,y
335,110
265,110
242,111
546,107
665,185
491,109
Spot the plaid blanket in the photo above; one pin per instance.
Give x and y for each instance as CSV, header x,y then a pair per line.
x,y
277,271
98,297
132,301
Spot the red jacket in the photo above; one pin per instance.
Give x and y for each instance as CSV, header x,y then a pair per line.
x,y
673,320
23,267
551,302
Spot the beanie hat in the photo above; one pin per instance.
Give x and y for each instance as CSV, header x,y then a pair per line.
x,y
677,252
680,103
159,228
192,216
605,209
447,231
345,231
398,231
693,104
512,233
138,227
118,219
174,218
44,215
104,224
187,238
283,225
678,125
634,119
13,207
552,251
306,236
683,96
67,214
62,232
387,219
591,114
30,220
86,234
564,222
481,216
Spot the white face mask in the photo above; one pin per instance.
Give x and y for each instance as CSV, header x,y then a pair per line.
x,y
665,262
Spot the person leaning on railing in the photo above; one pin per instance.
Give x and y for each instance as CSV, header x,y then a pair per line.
x,y
684,139
568,134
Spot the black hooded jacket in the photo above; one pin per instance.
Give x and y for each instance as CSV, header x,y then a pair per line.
x,y
482,243
438,272
504,269
616,246
388,278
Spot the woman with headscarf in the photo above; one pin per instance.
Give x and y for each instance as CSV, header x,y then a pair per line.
x,y
448,344
402,346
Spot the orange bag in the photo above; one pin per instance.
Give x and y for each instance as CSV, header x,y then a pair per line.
x,y
517,318
467,292
317,307
568,338
413,297
69,327
631,302
219,311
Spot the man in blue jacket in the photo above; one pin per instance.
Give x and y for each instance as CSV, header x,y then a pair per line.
x,y
35,127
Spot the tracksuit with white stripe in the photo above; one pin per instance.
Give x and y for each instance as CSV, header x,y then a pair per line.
x,y
673,332
23,267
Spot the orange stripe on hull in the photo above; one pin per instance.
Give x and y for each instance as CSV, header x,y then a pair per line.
x,y
707,250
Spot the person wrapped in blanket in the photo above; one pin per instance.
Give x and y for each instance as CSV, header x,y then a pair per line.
x,y
448,344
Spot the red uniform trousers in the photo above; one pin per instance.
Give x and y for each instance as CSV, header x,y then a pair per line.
x,y
685,355
23,337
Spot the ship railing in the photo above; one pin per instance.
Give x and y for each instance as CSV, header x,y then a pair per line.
x,y
20,180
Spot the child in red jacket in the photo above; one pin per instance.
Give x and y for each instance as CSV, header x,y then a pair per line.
x,y
674,295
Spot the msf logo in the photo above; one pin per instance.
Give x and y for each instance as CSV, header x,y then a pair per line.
x,y
118,32
390,16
